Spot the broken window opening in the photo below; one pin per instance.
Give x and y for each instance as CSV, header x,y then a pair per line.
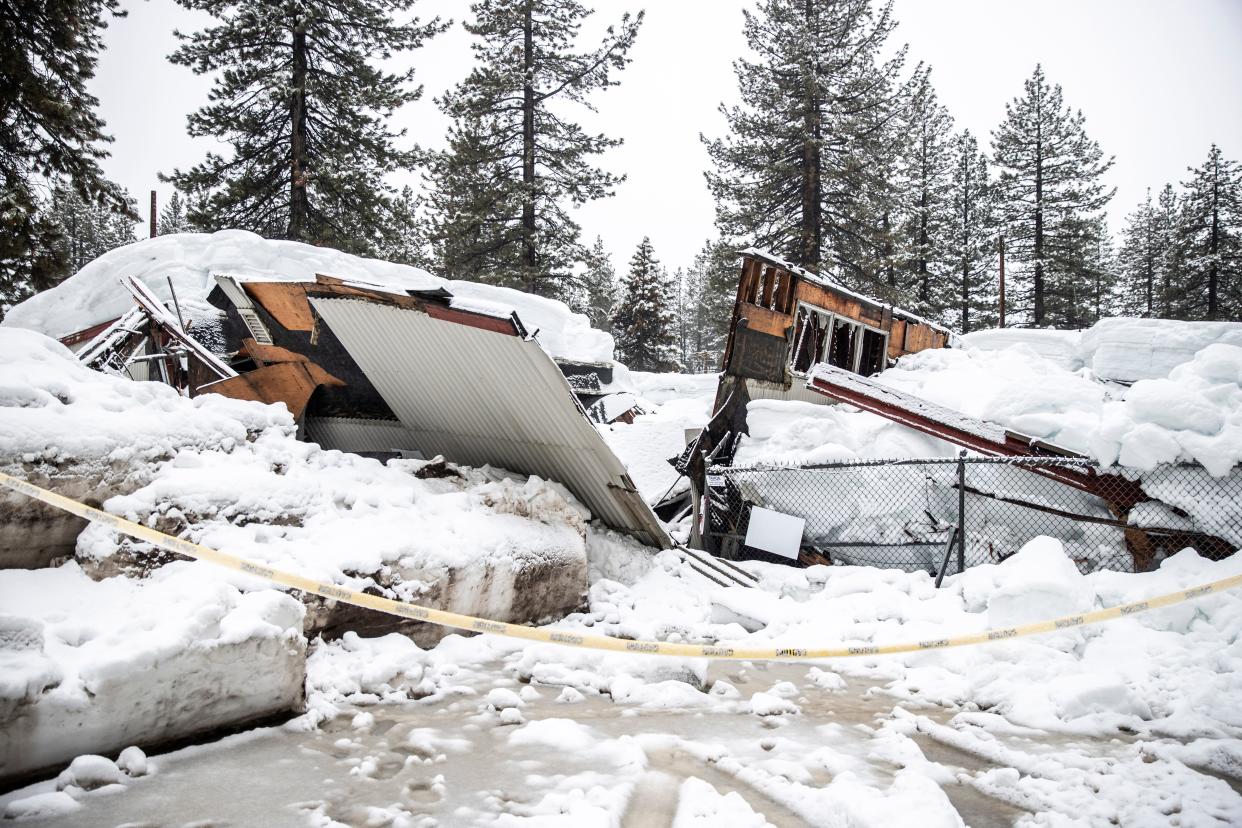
x,y
872,359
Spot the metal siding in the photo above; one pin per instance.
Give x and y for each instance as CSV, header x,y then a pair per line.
x,y
485,398
798,391
360,434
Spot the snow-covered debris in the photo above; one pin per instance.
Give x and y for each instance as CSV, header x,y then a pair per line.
x,y
230,474
1192,415
123,661
93,295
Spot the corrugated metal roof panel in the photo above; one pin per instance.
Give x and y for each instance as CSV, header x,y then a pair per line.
x,y
481,397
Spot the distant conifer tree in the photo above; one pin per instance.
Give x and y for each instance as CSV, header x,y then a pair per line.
x,y
644,320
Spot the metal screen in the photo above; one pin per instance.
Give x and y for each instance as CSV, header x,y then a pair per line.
x,y
904,513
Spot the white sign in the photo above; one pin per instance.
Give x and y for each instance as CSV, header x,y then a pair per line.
x,y
775,532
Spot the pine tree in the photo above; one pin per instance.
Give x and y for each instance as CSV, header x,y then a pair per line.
x,y
928,169
300,99
794,172
1210,238
173,218
711,290
643,321
516,163
84,229
49,132
597,295
1140,262
1171,268
1099,265
1050,189
971,245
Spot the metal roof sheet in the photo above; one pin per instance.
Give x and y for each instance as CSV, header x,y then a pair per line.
x,y
482,397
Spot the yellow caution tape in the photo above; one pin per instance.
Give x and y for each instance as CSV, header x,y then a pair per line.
x,y
594,642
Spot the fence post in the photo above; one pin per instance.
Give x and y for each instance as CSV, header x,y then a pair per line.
x,y
961,512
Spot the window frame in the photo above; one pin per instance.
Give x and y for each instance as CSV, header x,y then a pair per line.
x,y
833,319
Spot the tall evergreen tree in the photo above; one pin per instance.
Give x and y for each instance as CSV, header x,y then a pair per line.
x,y
644,320
516,163
1050,186
971,238
1140,262
300,98
598,293
714,273
1211,239
173,218
817,99
1168,217
928,169
49,132
1099,266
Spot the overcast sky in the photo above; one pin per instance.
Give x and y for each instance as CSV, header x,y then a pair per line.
x,y
1158,80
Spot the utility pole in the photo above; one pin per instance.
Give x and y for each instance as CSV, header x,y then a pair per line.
x,y
153,228
1002,281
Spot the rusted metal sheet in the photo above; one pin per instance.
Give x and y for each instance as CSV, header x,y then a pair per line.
x,y
481,396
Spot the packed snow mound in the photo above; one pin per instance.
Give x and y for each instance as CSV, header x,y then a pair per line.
x,y
55,411
1121,349
1192,415
230,474
93,295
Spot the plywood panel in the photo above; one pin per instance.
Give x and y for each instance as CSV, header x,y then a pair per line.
x,y
285,301
766,321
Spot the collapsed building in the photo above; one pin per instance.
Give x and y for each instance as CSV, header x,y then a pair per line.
x,y
383,371
798,336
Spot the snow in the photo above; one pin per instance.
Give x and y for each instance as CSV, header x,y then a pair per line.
x,y
1194,414
123,660
230,474
191,260
672,404
699,805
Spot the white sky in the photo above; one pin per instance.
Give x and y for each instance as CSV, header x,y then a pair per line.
x,y
1159,81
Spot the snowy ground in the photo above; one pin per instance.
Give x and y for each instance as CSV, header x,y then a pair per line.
x,y
1133,723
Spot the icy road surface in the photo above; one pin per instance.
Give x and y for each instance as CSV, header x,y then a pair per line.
x,y
453,761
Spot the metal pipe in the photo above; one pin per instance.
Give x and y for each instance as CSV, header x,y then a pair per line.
x,y
961,512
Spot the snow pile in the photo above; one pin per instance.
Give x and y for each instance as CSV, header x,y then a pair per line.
x,y
191,260
1121,349
229,474
1192,415
101,665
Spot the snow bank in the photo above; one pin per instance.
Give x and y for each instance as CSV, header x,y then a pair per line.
x,y
94,666
190,260
229,474
673,404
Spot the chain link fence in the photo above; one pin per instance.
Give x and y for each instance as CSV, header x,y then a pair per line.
x,y
906,514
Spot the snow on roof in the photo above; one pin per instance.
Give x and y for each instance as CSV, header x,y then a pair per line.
x,y
94,294
771,258
1118,348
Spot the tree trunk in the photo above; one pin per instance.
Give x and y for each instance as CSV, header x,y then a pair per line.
x,y
529,254
966,249
924,200
810,241
299,205
1038,285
